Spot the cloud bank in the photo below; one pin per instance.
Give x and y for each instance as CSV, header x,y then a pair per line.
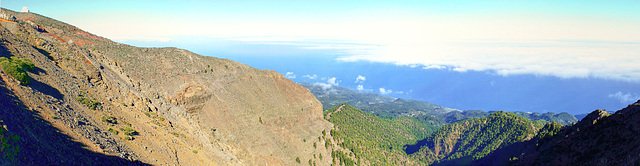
x,y
563,59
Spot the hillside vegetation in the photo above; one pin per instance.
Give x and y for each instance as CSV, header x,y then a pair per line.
x,y
463,142
372,140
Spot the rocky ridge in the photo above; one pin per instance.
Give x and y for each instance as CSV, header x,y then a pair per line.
x,y
598,139
186,109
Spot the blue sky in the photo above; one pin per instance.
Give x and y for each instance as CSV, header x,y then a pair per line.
x,y
540,45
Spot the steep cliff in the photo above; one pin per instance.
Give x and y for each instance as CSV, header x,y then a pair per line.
x,y
87,92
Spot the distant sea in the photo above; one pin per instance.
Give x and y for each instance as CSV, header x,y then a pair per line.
x,y
471,90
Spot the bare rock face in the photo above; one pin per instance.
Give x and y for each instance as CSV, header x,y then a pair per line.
x,y
186,109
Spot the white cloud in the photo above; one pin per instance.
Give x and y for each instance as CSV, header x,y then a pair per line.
x,y
333,81
360,79
313,77
434,67
324,86
563,59
385,91
362,89
625,98
290,75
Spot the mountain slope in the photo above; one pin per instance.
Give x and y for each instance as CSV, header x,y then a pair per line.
x,y
382,106
462,142
598,139
150,105
389,108
334,96
370,140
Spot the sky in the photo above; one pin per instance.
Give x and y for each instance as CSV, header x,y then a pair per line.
x,y
533,49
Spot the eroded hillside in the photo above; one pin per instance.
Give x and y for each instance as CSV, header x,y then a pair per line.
x,y
183,108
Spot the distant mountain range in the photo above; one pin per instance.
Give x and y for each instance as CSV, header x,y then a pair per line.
x,y
389,108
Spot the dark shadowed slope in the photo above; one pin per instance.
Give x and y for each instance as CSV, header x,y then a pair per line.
x,y
598,139
38,142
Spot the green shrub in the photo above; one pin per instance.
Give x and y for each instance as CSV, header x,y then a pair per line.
x,y
128,131
92,104
24,63
8,145
16,68
298,160
195,151
156,122
109,119
151,114
114,131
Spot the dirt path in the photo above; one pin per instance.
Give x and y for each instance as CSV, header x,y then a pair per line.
x,y
337,110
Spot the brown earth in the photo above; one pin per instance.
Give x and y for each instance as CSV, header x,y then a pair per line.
x,y
187,109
